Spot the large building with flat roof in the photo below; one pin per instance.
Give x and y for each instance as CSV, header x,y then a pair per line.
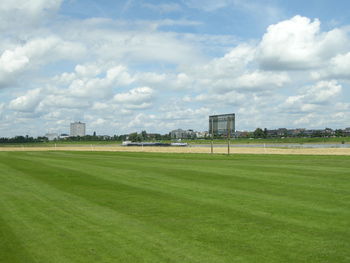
x,y
181,134
222,125
77,129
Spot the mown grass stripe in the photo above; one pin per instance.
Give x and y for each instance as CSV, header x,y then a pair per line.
x,y
11,247
177,208
140,238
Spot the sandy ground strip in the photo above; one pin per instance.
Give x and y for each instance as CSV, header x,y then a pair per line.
x,y
219,150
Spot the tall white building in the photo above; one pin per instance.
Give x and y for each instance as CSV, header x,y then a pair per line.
x,y
77,129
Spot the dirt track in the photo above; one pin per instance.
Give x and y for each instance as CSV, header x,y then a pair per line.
x,y
243,150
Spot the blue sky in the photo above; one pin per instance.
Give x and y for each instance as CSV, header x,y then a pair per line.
x,y
125,66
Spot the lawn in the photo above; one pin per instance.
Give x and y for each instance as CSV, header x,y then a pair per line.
x,y
146,207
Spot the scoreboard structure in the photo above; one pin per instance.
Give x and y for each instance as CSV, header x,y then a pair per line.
x,y
222,125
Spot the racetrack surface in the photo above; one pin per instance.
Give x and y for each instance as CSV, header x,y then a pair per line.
x,y
218,150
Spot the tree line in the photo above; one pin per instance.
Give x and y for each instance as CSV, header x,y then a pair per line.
x,y
135,137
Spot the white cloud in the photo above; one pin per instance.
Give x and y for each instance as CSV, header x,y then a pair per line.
x,y
116,71
236,71
342,106
137,98
231,98
180,81
62,101
298,43
234,61
51,48
2,109
98,122
313,98
151,78
338,67
85,71
142,121
260,80
101,106
307,119
27,102
90,88
25,13
120,75
94,80
11,61
33,7
142,43
35,53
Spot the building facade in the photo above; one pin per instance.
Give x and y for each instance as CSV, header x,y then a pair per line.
x,y
77,129
222,125
182,134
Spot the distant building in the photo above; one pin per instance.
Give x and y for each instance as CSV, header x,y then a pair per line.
x,y
182,134
51,136
298,132
221,125
202,135
242,134
329,132
153,136
64,136
282,132
77,129
346,131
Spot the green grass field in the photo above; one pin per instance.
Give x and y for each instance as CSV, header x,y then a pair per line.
x,y
145,207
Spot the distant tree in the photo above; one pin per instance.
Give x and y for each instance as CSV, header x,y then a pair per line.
x,y
42,139
301,134
144,135
317,134
258,133
133,137
339,133
166,136
265,133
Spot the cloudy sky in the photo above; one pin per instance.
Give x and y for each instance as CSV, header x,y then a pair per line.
x,y
130,65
